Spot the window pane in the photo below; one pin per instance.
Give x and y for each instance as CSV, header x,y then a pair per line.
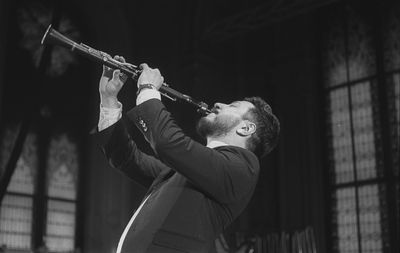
x,y
363,130
370,218
22,181
60,228
392,38
335,69
15,222
62,168
361,58
346,224
341,149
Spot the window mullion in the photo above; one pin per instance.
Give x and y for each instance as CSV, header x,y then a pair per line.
x,y
40,200
383,126
347,53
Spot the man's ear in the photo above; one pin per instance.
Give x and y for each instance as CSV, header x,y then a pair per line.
x,y
247,128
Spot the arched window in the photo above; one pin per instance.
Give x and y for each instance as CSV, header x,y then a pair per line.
x,y
16,212
361,63
60,197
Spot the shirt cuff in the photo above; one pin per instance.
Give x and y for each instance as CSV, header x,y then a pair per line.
x,y
109,116
147,94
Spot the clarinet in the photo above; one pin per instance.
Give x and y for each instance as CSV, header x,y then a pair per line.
x,y
54,37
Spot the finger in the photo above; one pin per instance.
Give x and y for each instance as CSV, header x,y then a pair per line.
x,y
144,66
119,58
119,77
116,75
123,77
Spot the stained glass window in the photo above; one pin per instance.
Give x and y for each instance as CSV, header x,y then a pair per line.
x,y
392,39
341,139
334,52
37,207
60,228
363,131
370,218
62,173
348,51
15,222
62,168
23,178
354,135
16,212
346,214
360,203
360,55
16,208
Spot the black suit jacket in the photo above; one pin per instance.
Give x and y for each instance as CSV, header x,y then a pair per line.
x,y
195,191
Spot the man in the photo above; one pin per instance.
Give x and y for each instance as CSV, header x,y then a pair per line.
x,y
195,191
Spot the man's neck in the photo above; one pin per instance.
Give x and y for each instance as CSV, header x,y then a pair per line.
x,y
213,142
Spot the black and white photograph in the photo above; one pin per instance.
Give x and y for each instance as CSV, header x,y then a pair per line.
x,y
199,126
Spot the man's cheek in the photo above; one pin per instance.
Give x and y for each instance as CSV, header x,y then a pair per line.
x,y
211,117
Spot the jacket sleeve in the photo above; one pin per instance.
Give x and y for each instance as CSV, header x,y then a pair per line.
x,y
227,174
123,154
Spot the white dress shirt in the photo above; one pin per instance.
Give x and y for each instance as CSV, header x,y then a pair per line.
x,y
109,116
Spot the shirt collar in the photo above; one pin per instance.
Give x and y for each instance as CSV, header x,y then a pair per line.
x,y
214,144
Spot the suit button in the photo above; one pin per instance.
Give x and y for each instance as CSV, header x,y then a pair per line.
x,y
141,122
145,128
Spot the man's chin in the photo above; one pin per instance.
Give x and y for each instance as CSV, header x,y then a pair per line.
x,y
210,117
204,126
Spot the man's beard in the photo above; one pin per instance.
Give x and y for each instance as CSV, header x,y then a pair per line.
x,y
216,128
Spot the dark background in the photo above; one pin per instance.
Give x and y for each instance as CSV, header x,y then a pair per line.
x,y
276,58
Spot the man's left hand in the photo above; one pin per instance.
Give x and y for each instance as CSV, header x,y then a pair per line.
x,y
150,76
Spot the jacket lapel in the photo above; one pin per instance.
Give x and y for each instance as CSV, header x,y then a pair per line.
x,y
163,176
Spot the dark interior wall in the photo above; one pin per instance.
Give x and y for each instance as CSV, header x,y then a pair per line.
x,y
280,64
300,166
3,32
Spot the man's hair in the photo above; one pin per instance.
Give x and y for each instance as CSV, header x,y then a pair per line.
x,y
266,136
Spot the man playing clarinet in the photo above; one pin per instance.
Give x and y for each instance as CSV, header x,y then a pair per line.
x,y
194,191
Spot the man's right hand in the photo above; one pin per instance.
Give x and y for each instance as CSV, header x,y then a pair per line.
x,y
110,84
